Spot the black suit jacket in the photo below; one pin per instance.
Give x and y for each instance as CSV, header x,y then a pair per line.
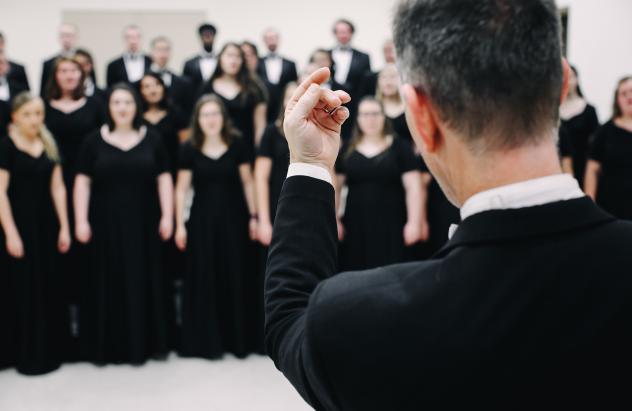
x,y
360,66
117,73
275,91
522,309
17,74
191,70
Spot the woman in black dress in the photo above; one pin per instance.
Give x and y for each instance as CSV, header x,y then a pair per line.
x,y
273,160
123,208
169,122
35,228
91,89
243,96
609,170
382,214
71,116
580,121
388,94
165,118
217,306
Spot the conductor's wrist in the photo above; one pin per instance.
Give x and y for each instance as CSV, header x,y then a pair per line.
x,y
320,171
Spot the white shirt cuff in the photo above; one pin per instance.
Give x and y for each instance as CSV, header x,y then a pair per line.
x,y
309,170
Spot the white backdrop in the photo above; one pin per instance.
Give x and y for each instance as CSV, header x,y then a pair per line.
x,y
599,31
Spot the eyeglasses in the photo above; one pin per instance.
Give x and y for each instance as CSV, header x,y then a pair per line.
x,y
370,114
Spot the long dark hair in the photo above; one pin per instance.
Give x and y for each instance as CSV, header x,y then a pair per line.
x,y
616,108
53,90
358,134
138,116
249,85
227,133
580,93
164,102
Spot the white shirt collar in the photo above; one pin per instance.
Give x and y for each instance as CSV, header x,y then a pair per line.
x,y
530,193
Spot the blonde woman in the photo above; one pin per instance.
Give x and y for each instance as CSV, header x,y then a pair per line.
x,y
35,226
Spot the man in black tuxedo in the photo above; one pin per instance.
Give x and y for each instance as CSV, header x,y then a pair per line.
x,y
527,306
68,35
9,88
131,66
201,67
16,72
179,89
276,72
351,67
369,83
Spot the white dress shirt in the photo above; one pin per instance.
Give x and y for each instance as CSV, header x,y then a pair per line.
x,y
89,87
5,93
164,74
208,62
274,68
134,66
342,56
530,193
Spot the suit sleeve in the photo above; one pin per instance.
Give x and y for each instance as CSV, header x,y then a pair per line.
x,y
110,75
302,254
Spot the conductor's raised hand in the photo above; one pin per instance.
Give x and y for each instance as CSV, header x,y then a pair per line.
x,y
313,118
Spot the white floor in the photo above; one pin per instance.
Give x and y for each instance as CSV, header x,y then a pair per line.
x,y
253,384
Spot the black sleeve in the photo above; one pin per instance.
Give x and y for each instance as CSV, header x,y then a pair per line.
x,y
302,254
598,144
265,146
87,155
593,120
6,154
564,142
179,119
185,156
160,152
339,166
242,154
293,72
405,156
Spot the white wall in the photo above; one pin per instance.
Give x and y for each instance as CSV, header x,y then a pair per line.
x,y
599,31
599,46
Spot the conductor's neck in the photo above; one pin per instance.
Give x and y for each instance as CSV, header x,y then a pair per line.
x,y
499,168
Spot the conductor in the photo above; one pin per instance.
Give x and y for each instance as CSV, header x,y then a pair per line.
x,y
528,305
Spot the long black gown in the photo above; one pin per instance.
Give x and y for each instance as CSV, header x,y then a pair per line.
x,y
70,130
217,305
241,111
123,312
612,147
35,331
168,128
580,129
375,212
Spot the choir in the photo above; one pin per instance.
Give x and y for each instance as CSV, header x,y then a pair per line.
x,y
136,219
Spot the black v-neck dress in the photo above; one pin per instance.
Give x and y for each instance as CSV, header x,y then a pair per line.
x,y
124,303
218,308
375,211
34,326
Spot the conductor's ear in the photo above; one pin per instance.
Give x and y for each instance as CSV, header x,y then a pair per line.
x,y
421,119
